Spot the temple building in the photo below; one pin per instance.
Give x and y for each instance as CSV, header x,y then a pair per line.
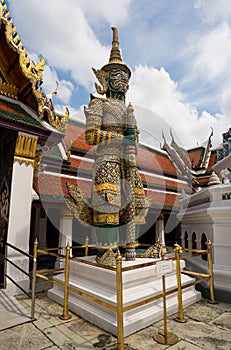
x,y
42,150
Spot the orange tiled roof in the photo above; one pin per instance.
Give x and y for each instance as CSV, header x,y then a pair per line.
x,y
165,183
75,136
52,185
159,189
196,155
49,186
81,164
155,160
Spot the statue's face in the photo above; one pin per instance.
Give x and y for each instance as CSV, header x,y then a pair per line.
x,y
118,81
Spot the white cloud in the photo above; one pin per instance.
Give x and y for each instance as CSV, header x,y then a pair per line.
x,y
208,75
65,91
78,114
68,32
226,102
65,87
154,90
113,12
212,11
65,38
62,32
50,77
213,53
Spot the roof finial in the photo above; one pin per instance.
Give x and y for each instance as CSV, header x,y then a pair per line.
x,y
115,55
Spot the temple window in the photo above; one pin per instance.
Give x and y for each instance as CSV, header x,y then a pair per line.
x,y
204,246
186,239
194,243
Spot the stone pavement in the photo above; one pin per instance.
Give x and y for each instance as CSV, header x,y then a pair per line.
x,y
208,327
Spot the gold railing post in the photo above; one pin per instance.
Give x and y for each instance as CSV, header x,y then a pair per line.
x,y
86,246
211,279
165,337
35,254
65,315
119,288
180,317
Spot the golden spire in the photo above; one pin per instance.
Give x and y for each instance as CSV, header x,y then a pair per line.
x,y
115,60
115,55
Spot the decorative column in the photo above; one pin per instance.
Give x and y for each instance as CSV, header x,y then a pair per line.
x,y
41,221
20,208
160,229
65,233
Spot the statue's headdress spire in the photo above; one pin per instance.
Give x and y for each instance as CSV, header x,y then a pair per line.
x,y
115,62
115,59
115,55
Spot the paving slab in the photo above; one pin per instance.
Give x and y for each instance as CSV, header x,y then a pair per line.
x,y
23,337
66,339
223,321
143,340
205,313
12,311
206,336
47,312
208,328
183,345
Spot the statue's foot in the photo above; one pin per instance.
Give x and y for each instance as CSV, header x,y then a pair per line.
x,y
106,257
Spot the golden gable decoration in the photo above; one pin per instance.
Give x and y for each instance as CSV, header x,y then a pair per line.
x,y
8,90
32,71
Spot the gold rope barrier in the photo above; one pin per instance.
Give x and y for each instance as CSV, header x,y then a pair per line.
x,y
66,315
35,254
211,279
180,316
165,337
208,276
119,287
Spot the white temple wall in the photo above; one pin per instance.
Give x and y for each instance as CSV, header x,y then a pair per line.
x,y
19,223
209,212
20,210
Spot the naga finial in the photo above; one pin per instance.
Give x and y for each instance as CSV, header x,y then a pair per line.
x,y
163,136
172,135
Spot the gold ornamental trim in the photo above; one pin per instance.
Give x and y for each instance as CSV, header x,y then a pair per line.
x,y
23,160
102,219
107,186
25,149
8,90
30,69
139,191
34,72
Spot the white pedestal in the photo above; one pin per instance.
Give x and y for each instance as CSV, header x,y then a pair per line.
x,y
209,215
138,284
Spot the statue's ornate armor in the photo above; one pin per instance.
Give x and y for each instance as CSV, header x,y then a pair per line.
x,y
118,202
105,126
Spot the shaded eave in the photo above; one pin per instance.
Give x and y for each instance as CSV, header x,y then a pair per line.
x,y
13,116
11,69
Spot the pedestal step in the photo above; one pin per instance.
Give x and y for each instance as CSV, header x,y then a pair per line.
x,y
138,284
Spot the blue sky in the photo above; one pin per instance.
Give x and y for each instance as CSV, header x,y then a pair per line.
x,y
179,53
